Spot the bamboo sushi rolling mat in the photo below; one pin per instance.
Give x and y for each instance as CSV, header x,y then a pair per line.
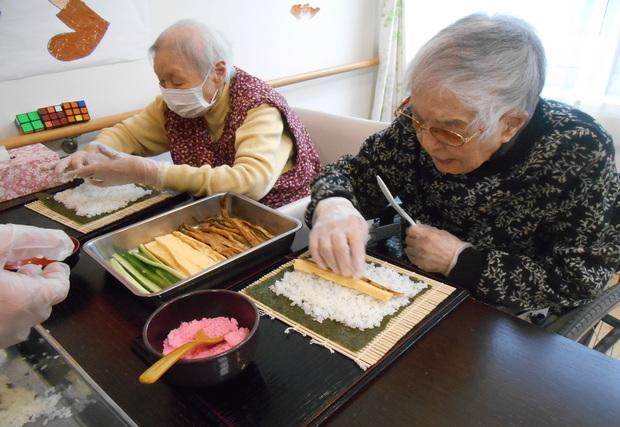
x,y
41,208
389,334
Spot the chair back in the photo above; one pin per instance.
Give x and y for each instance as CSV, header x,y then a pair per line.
x,y
334,136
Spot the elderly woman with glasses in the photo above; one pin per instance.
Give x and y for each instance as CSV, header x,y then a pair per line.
x,y
225,129
516,197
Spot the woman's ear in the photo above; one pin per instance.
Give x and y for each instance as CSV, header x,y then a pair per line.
x,y
219,69
511,123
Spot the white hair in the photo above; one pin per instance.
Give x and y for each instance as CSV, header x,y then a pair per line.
x,y
493,64
197,44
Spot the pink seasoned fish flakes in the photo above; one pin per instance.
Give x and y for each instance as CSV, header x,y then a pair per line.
x,y
213,327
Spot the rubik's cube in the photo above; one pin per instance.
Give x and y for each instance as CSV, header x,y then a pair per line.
x,y
76,112
29,122
52,117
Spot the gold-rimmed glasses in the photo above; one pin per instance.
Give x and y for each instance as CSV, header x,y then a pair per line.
x,y
445,136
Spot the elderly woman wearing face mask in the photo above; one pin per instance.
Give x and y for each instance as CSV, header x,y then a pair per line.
x,y
226,130
517,197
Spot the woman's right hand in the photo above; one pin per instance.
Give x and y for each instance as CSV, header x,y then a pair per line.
x,y
338,237
77,160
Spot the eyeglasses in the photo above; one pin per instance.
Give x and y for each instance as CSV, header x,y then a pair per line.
x,y
445,136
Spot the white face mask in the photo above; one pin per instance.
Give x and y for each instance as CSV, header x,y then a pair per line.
x,y
188,103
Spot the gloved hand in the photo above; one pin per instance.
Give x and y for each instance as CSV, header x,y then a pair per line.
x,y
120,168
27,296
105,166
432,249
18,242
77,160
338,237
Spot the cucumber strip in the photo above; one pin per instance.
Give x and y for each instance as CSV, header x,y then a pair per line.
x,y
159,269
166,276
136,274
158,264
144,269
116,266
147,253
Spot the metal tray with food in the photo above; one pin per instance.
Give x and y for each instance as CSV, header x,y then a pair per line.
x,y
205,242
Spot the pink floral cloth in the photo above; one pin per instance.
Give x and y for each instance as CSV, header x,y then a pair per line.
x,y
191,144
22,174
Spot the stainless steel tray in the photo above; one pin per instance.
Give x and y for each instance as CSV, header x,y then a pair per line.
x,y
281,226
60,393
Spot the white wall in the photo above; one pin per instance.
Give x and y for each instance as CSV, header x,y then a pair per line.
x,y
267,41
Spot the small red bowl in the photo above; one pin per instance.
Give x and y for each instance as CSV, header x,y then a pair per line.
x,y
15,265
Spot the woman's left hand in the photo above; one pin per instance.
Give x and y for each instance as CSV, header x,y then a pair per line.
x,y
432,249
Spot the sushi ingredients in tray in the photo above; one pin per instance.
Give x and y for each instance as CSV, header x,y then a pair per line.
x,y
144,271
157,264
172,251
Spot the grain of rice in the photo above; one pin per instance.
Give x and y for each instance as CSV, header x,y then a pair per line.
x,y
90,200
20,405
322,299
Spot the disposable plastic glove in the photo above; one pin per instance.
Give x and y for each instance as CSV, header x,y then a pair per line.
x,y
79,159
26,298
18,242
106,167
338,237
432,249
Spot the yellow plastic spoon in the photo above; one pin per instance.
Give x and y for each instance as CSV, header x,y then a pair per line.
x,y
159,368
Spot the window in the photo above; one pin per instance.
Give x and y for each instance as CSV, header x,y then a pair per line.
x,y
581,40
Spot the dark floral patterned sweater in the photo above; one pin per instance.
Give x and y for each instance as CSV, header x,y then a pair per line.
x,y
542,214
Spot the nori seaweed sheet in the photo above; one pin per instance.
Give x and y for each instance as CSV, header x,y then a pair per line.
x,y
50,202
350,338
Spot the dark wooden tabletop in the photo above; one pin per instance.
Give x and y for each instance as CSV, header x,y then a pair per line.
x,y
478,366
482,367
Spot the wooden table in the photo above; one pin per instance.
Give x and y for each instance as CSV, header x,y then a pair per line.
x,y
482,367
478,366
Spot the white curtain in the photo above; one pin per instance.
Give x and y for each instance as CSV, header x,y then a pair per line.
x,y
389,88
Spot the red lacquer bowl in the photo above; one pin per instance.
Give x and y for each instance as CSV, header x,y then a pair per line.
x,y
15,265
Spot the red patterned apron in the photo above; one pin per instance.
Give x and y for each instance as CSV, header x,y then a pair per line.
x,y
191,144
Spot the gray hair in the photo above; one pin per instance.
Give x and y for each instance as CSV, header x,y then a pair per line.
x,y
494,65
197,44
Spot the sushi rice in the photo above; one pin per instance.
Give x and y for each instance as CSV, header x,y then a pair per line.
x,y
322,299
90,200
